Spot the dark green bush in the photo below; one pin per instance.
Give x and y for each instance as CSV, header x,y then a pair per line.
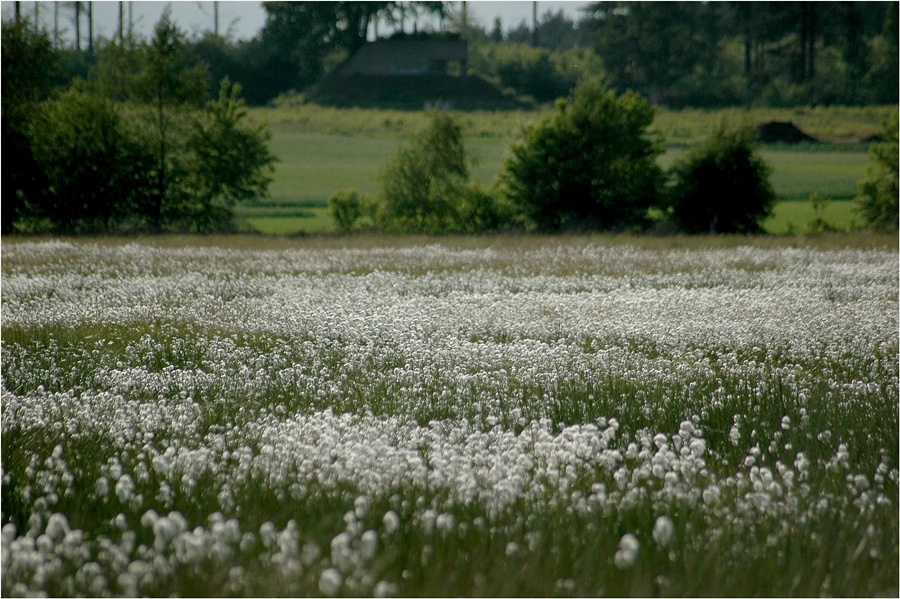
x,y
879,196
592,165
96,169
722,186
345,207
478,211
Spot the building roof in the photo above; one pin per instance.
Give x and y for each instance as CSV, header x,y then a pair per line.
x,y
405,57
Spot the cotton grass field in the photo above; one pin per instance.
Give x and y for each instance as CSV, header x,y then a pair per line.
x,y
458,417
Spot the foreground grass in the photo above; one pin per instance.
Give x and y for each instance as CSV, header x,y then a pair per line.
x,y
497,416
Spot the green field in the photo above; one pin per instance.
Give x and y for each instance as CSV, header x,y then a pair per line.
x,y
322,150
834,124
506,416
798,216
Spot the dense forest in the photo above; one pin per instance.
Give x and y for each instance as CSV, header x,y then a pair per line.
x,y
705,54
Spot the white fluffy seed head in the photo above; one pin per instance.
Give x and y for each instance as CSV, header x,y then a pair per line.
x,y
391,521
368,544
627,554
663,531
330,582
711,494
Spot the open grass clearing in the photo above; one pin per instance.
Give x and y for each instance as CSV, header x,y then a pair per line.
x,y
799,216
833,124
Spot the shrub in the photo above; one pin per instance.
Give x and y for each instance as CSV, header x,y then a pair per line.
x,y
96,169
721,186
589,166
426,188
345,207
879,196
478,211
542,74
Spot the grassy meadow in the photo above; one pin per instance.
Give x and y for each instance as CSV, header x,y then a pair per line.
x,y
485,416
324,149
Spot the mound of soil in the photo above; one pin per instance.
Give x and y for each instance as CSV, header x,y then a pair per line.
x,y
781,132
874,138
410,93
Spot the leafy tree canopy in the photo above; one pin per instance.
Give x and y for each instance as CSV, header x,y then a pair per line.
x,y
879,192
591,165
722,186
133,147
301,34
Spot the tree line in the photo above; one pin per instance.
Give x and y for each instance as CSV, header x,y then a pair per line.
x,y
150,138
769,53
703,54
138,144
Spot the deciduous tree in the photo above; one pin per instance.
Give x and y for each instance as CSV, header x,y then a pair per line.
x,y
592,165
96,169
232,161
29,64
171,81
426,187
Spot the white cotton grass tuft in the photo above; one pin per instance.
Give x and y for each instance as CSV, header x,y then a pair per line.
x,y
384,589
391,521
267,534
368,544
663,531
711,495
330,582
627,554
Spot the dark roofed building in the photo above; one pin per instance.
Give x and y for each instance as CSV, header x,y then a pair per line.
x,y
433,57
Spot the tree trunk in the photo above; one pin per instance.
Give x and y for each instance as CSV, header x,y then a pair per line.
x,y
465,20
78,26
90,27
811,42
161,172
807,67
800,71
747,13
